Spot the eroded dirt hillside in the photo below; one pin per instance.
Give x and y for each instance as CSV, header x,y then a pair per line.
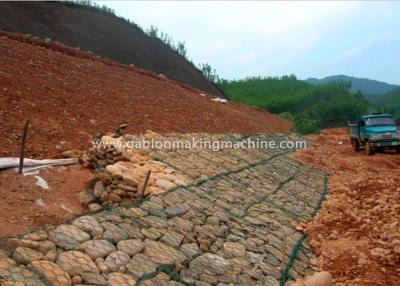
x,y
69,96
356,233
102,33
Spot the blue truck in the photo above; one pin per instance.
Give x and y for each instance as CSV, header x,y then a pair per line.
x,y
374,131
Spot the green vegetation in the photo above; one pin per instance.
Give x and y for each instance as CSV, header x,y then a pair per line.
x,y
179,47
209,72
309,107
388,103
369,88
90,4
153,32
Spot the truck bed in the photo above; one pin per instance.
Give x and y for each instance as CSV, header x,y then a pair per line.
x,y
354,130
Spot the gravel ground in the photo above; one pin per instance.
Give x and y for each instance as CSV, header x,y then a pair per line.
x,y
356,233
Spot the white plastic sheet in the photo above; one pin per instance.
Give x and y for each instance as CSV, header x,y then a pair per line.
x,y
32,164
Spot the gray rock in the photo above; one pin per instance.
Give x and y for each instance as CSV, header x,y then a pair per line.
x,y
191,250
85,198
115,234
76,263
141,265
98,248
172,238
209,263
162,254
98,189
93,279
94,207
130,246
116,260
64,241
89,224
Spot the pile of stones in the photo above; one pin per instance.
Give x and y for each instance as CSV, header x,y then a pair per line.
x,y
122,178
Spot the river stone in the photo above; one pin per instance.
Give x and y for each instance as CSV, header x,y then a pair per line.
x,y
98,248
136,212
162,254
152,233
21,274
190,249
23,255
165,185
234,249
93,279
155,221
119,279
89,224
130,246
7,263
85,198
323,278
115,234
98,189
172,238
51,273
74,232
209,263
140,266
116,260
187,277
64,241
94,207
76,263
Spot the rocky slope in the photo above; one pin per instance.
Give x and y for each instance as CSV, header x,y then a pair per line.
x,y
102,33
356,233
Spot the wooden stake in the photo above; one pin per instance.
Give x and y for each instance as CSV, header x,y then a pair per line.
x,y
145,183
22,148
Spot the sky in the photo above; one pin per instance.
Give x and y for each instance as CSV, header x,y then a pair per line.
x,y
268,38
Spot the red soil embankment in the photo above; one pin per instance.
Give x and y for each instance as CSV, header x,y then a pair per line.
x,y
69,96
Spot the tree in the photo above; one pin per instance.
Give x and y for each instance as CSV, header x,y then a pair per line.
x,y
152,32
209,72
181,49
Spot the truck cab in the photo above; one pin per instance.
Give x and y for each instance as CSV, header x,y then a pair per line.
x,y
374,131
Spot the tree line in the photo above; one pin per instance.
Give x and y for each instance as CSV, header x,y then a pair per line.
x,y
309,107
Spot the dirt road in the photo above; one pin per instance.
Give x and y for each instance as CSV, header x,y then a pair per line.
x,y
356,233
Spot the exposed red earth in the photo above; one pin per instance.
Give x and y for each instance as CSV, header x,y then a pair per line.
x,y
356,232
69,96
25,205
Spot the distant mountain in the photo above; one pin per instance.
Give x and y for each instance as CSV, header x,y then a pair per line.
x,y
368,87
389,102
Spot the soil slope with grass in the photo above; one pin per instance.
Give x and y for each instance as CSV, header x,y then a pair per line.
x,y
104,34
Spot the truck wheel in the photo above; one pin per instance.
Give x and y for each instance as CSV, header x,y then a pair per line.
x,y
355,145
368,148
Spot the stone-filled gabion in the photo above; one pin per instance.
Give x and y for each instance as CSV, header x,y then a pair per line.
x,y
231,225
